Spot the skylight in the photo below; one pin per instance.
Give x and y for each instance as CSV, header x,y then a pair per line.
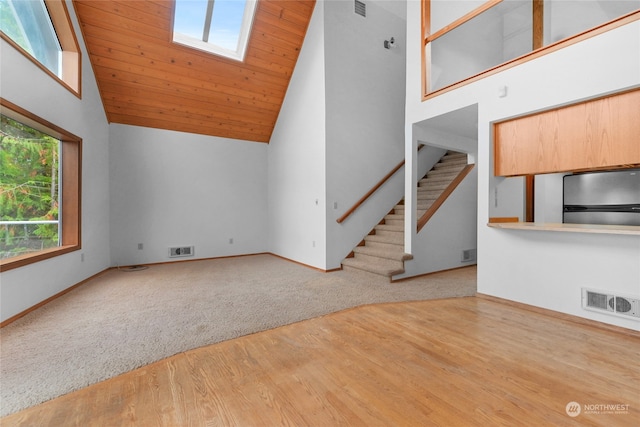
x,y
220,27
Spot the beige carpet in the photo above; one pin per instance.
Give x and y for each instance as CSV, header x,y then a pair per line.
x,y
123,320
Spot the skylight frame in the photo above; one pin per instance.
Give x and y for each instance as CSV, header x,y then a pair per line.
x,y
210,47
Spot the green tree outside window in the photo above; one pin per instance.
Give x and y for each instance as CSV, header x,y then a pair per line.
x,y
29,189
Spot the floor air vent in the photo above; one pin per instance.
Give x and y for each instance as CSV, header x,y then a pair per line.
x,y
604,302
361,8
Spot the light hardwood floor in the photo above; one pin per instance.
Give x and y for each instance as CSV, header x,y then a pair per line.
x,y
454,362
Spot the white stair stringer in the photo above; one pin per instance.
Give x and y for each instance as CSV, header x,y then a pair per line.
x,y
382,251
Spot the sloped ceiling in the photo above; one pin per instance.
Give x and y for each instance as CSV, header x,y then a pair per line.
x,y
147,80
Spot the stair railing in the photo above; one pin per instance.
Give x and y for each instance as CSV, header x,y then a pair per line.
x,y
373,189
445,194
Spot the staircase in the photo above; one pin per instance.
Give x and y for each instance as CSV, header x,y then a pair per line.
x,y
382,251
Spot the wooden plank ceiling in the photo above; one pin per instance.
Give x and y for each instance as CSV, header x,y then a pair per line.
x,y
147,80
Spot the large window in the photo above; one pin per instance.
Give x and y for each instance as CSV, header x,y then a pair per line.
x,y
220,27
461,44
39,188
41,29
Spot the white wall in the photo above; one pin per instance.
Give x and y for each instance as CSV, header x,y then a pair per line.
x,y
545,269
364,116
296,158
27,86
548,202
179,189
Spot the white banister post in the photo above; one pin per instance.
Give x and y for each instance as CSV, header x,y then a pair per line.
x,y
410,189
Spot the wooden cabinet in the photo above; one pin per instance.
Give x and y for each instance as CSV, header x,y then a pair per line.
x,y
598,134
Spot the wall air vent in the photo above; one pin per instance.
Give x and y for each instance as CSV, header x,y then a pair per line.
x,y
361,8
468,255
181,251
607,302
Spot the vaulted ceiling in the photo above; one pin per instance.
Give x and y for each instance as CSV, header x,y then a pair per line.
x,y
147,80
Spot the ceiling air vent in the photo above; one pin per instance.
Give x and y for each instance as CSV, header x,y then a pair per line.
x,y
361,8
605,302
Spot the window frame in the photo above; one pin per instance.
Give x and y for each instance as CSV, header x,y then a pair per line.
x,y
537,51
71,58
71,178
250,11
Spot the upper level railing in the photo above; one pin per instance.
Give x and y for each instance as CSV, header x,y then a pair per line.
x,y
500,34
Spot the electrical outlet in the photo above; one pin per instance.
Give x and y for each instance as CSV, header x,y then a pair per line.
x,y
231,241
335,205
313,243
82,257
140,246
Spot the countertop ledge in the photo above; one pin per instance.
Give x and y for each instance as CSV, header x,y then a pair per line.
x,y
569,228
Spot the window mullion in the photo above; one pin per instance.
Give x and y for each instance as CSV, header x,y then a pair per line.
x,y
60,185
538,24
207,21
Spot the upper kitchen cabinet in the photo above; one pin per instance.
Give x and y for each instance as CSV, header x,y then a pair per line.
x,y
598,134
